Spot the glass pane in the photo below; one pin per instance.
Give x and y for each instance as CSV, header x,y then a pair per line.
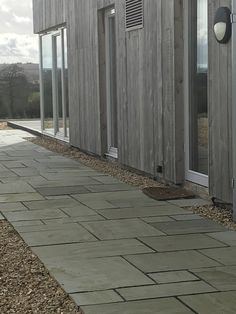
x,y
113,94
59,83
66,80
47,82
198,67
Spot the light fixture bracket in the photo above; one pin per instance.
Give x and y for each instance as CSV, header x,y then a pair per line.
x,y
223,24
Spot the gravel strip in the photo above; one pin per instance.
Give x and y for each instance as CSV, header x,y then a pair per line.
x,y
111,168
25,285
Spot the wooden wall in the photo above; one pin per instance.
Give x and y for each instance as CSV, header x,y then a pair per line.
x,y
48,13
220,111
150,86
149,89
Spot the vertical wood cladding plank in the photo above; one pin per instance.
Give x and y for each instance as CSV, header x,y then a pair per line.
x,y
172,71
220,108
168,87
85,111
158,97
49,13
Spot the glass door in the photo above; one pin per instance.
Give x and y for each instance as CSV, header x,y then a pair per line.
x,y
57,84
196,90
111,88
54,83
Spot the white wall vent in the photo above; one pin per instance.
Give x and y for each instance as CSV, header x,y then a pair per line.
x,y
134,14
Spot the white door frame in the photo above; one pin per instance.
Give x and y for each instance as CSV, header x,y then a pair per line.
x,y
112,151
190,175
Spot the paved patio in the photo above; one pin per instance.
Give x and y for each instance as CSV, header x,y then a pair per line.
x,y
110,247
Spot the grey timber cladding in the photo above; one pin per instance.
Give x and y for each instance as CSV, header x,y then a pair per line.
x,y
220,111
48,13
149,86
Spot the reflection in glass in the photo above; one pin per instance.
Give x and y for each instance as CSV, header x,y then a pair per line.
x,y
55,83
47,82
66,81
60,123
198,71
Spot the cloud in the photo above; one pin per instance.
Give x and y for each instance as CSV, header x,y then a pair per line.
x,y
18,48
22,19
17,42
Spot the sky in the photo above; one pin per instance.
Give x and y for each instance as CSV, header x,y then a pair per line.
x,y
17,42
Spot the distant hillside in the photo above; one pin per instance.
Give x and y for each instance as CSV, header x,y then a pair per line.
x,y
31,70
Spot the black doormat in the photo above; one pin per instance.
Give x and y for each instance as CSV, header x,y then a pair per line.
x,y
167,193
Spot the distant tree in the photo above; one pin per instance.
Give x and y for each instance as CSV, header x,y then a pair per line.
x,y
14,90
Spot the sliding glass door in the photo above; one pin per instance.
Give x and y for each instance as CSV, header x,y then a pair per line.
x,y
54,83
196,90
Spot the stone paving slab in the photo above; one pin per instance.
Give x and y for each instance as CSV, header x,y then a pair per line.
x,y
58,203
34,180
157,219
15,188
26,172
162,306
8,207
165,290
22,197
111,196
13,164
35,215
221,278
110,187
217,303
96,204
173,276
182,260
187,227
181,242
64,190
186,217
64,175
227,237
190,202
118,229
226,256
70,233
72,219
97,297
93,250
139,212
27,223
106,179
7,174
96,274
67,181
80,210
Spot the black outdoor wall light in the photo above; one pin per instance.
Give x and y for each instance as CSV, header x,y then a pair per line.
x,y
223,25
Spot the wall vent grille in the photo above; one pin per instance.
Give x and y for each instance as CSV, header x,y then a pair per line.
x,y
134,14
